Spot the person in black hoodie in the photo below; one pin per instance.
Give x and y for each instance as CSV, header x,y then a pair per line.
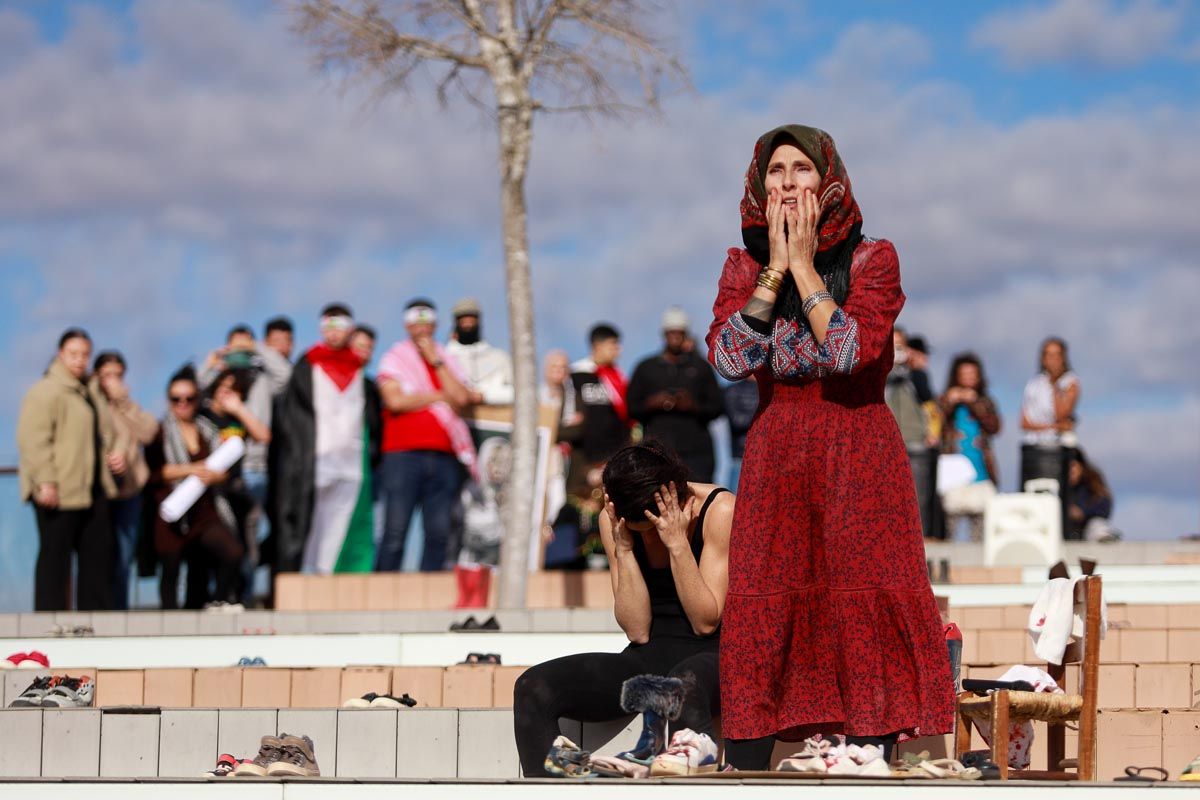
x,y
675,395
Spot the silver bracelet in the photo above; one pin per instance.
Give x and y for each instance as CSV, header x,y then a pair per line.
x,y
813,299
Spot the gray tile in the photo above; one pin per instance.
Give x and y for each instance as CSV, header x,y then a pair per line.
x,y
251,621
10,626
486,748
343,622
35,625
73,619
181,623
187,744
144,623
439,621
593,620
366,743
17,681
427,743
289,622
610,738
399,621
511,621
71,742
320,725
21,742
551,620
109,623
240,730
129,745
211,623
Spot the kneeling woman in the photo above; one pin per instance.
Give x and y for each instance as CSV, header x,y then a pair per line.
x,y
668,556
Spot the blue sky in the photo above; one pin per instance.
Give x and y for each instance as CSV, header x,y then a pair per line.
x,y
174,168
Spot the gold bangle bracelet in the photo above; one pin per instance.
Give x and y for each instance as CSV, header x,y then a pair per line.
x,y
769,280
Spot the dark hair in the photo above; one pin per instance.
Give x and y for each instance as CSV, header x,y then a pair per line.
x,y
108,357
636,472
603,332
73,333
279,324
420,301
185,373
967,358
1049,340
917,342
1092,476
337,310
368,330
239,328
242,380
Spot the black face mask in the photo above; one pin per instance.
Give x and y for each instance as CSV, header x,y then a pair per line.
x,y
466,337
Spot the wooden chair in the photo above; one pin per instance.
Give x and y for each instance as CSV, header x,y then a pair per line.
x,y
1004,707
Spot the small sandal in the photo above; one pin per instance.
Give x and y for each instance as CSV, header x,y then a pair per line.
x,y
613,767
950,768
1134,775
566,760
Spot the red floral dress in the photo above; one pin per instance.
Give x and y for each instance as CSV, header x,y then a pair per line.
x,y
830,625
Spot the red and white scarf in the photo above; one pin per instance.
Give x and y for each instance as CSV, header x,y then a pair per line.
x,y
404,365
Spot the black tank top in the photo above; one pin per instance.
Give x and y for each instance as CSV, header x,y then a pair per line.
x,y
667,617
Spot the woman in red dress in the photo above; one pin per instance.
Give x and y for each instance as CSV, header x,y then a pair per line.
x,y
830,625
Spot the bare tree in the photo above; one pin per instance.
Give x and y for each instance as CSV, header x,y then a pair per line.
x,y
583,56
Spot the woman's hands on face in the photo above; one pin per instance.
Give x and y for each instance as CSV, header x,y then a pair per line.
x,y
672,520
802,221
622,538
776,233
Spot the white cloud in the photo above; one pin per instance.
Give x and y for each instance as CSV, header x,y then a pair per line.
x,y
1103,33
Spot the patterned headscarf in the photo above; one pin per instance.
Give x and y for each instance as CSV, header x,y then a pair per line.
x,y
841,221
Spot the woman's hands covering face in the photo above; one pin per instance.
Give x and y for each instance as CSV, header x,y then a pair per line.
x,y
802,221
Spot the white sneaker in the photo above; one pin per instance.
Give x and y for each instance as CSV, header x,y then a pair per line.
x,y
810,759
689,753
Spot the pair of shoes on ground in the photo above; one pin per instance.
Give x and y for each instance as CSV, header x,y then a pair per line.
x,y
837,758
472,625
373,700
72,630
688,753
33,658
481,658
247,661
57,691
920,765
278,756
222,607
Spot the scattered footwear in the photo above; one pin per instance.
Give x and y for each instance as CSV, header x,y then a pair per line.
x,y
221,607
481,658
1192,771
26,660
689,753
33,694
472,625
71,630
297,759
658,699
373,700
566,760
270,750
838,758
70,693
614,767
1139,775
247,661
226,764
810,759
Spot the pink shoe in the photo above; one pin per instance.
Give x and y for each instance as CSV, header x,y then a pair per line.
x,y
689,753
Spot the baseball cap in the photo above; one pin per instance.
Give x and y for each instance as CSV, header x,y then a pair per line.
x,y
675,319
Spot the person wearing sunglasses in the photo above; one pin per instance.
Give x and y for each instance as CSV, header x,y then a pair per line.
x,y
204,537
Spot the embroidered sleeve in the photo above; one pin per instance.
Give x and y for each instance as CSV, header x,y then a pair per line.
x,y
739,349
796,353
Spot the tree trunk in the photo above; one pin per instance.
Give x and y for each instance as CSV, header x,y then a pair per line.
x,y
515,125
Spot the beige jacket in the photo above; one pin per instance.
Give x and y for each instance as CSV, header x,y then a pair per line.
x,y
54,436
133,428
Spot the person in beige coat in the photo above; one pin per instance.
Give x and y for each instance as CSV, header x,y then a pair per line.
x,y
68,468
133,428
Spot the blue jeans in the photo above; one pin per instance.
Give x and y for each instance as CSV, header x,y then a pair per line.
x,y
126,519
733,475
412,478
255,482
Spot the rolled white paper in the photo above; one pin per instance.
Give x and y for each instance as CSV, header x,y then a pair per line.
x,y
185,495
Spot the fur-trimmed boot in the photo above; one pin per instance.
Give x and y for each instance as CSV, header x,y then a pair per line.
x,y
659,700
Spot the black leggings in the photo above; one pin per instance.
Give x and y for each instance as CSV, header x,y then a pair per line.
x,y
587,687
212,549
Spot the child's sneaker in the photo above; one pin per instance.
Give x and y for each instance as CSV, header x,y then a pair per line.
x,y
226,764
35,692
689,753
298,758
270,750
71,693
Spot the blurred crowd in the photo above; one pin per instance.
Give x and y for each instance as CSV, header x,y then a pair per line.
x,y
339,462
